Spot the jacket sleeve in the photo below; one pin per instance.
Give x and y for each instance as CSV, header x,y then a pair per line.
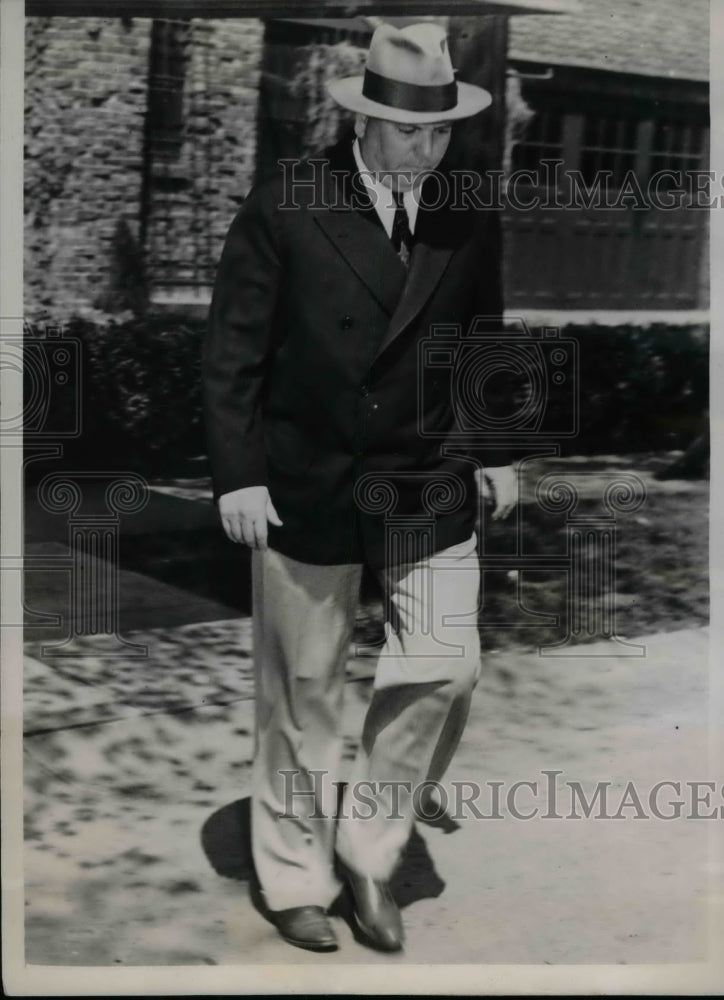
x,y
239,343
490,302
496,389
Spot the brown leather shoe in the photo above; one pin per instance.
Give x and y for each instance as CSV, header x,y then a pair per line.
x,y
306,927
376,912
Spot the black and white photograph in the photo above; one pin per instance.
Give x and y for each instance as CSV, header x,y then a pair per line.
x,y
358,543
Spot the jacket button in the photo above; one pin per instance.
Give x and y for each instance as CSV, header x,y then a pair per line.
x,y
346,322
364,391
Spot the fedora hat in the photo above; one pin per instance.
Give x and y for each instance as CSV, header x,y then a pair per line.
x,y
409,78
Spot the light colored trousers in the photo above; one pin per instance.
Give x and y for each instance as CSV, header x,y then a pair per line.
x,y
304,616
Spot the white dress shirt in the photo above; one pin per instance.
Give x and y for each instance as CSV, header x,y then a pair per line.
x,y
382,197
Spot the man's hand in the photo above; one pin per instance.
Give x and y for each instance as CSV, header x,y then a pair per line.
x,y
501,483
245,513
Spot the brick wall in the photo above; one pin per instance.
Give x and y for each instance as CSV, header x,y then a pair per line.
x,y
92,201
188,215
85,104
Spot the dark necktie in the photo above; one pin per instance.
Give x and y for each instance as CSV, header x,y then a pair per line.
x,y
401,236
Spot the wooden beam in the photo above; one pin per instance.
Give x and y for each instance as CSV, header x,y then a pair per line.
x,y
289,8
605,88
479,50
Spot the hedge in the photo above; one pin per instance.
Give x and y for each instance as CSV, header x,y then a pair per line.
x,y
138,393
641,389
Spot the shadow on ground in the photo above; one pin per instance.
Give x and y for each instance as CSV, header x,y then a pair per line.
x,y
226,842
176,540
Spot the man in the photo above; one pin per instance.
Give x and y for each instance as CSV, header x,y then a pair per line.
x,y
331,278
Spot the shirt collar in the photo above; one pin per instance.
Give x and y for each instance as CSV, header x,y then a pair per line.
x,y
382,197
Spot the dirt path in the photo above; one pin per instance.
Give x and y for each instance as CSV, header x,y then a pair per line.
x,y
137,848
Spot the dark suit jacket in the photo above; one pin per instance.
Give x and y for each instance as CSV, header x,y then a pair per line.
x,y
313,363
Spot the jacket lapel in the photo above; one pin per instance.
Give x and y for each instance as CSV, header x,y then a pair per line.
x,y
438,233
368,251
352,225
427,265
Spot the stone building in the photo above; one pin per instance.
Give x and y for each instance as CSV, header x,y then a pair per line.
x,y
144,135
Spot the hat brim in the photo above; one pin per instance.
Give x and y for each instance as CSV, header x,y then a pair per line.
x,y
348,93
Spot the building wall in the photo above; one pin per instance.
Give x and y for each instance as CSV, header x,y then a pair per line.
x,y
85,101
191,203
616,129
111,225
94,201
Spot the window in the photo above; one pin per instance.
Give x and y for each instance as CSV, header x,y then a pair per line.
x,y
597,251
676,146
608,147
173,256
166,79
543,140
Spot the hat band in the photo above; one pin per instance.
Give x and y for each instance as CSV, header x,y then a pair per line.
x,y
409,96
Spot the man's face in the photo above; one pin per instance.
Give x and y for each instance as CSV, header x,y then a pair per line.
x,y
402,150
